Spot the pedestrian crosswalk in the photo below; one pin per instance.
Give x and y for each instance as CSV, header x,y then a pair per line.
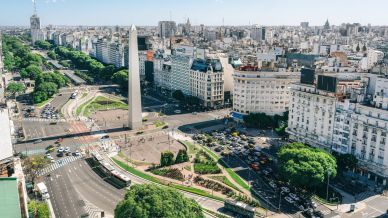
x,y
37,119
59,163
92,211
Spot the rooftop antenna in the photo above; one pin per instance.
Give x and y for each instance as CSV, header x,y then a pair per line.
x,y
34,2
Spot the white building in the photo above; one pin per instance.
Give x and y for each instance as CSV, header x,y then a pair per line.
x,y
207,82
262,92
373,57
36,33
311,116
180,73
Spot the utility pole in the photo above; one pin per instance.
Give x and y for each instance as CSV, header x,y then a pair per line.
x,y
327,188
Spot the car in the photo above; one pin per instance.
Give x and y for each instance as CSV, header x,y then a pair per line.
x,y
318,214
272,184
60,154
52,160
67,150
301,207
105,137
289,200
293,196
313,204
37,141
48,156
60,150
285,189
77,153
177,111
218,149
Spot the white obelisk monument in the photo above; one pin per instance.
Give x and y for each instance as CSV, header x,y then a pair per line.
x,y
134,95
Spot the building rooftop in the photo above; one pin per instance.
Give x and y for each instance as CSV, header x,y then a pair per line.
x,y
205,65
9,198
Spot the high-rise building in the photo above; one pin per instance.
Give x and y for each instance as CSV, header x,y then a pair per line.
x,y
36,32
1,70
180,73
167,29
304,25
258,33
134,95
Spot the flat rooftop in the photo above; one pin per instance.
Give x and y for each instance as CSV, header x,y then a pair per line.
x,y
9,198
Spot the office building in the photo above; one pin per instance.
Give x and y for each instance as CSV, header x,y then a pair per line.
x,y
262,92
167,29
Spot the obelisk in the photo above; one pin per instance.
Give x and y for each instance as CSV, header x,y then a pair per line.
x,y
134,95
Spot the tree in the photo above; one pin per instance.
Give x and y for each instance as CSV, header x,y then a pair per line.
x,y
345,161
364,48
33,164
178,95
47,87
43,45
15,88
39,96
358,48
305,167
52,55
121,78
181,156
148,201
33,71
166,158
259,120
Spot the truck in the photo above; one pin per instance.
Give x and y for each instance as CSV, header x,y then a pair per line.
x,y
42,188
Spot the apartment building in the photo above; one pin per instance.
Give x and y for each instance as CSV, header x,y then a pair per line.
x,y
207,82
262,92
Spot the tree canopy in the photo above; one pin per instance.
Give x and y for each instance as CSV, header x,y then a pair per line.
x,y
15,88
121,78
148,201
305,167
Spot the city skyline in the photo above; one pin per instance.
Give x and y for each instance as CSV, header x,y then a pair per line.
x,y
218,12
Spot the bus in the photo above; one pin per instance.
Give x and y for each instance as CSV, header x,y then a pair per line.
x,y
122,177
242,209
110,170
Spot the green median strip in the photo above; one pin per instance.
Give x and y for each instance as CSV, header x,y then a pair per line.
x,y
173,185
237,179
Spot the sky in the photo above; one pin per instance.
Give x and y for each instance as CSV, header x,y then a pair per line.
x,y
208,12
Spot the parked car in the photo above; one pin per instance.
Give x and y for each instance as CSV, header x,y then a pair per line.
x,y
285,189
293,196
289,200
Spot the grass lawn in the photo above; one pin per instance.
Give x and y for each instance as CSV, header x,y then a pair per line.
x,y
100,103
41,104
190,146
231,173
156,180
226,181
159,123
237,179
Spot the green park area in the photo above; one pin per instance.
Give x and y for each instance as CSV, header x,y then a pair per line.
x,y
99,103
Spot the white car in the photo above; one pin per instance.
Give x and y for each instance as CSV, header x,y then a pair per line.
x,y
289,200
293,196
60,150
273,185
77,153
48,156
285,189
177,111
67,149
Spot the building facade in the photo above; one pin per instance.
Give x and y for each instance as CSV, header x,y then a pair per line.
x,y
262,92
207,82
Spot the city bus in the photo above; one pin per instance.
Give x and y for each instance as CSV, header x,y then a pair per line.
x,y
240,208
